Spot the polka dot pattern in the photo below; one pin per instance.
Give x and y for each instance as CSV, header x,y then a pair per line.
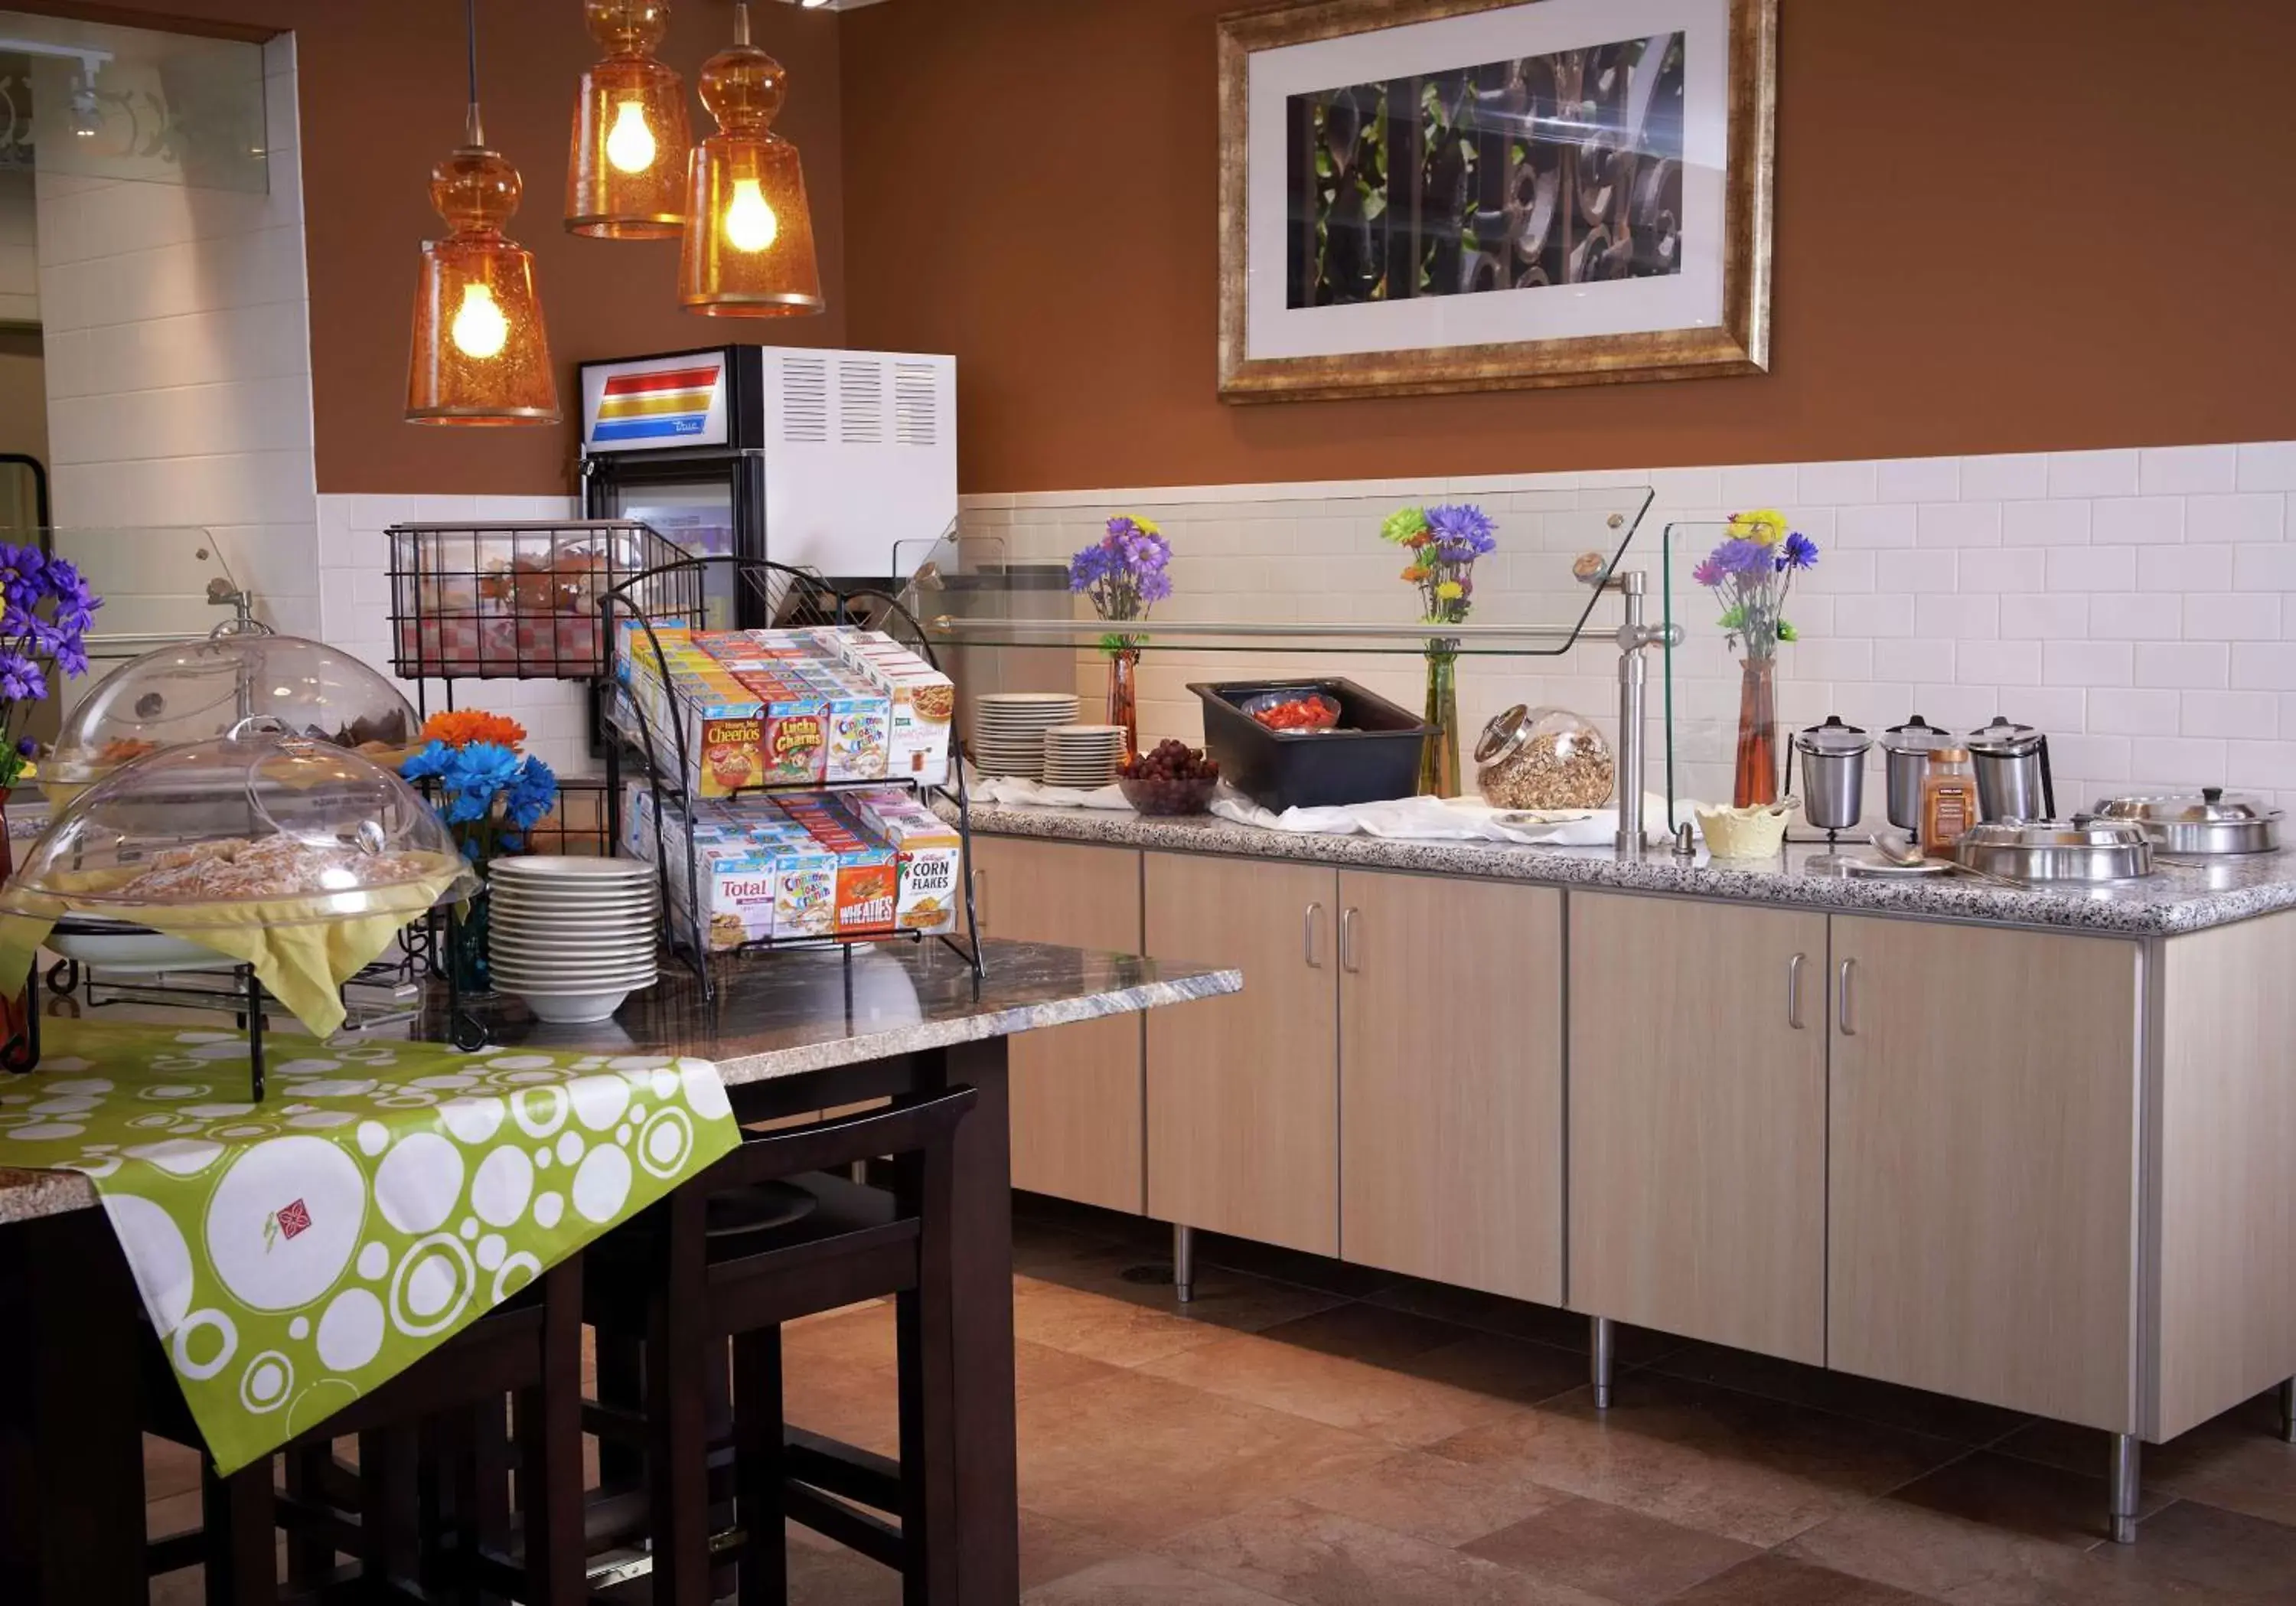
x,y
295,1253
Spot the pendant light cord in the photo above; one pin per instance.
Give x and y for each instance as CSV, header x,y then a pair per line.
x,y
740,22
470,36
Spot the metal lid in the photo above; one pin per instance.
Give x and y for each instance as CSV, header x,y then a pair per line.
x,y
1916,735
2211,805
2005,738
2081,832
1833,737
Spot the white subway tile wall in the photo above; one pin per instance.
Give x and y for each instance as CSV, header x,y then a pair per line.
x,y
353,587
178,352
2139,605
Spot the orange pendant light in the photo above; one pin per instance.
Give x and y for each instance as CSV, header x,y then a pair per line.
x,y
626,174
749,236
480,353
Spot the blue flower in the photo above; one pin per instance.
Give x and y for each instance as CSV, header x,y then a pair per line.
x,y
431,760
1800,552
532,792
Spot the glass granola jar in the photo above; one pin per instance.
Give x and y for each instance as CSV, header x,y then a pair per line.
x,y
1544,758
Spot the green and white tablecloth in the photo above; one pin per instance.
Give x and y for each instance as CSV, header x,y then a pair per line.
x,y
294,1254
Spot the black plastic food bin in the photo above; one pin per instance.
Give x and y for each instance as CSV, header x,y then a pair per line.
x,y
1373,756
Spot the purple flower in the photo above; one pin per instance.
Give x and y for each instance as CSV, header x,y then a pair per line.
x,y
20,679
1739,557
1708,572
20,573
76,601
1463,531
1800,552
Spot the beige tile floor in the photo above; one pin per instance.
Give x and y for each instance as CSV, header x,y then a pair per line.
x,y
1314,1433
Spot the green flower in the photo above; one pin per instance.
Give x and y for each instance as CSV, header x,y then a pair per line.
x,y
1786,632
1403,523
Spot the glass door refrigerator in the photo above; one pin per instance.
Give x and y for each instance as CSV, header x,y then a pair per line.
x,y
820,459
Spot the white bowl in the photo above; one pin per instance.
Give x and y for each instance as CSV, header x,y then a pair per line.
x,y
572,958
572,1008
563,978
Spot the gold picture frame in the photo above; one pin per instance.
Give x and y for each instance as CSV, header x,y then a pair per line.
x,y
1738,343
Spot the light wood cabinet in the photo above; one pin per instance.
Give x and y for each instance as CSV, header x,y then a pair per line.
x,y
1076,1089
1243,1091
1984,1198
1451,1080
1697,1139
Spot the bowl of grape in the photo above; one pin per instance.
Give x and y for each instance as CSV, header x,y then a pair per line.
x,y
1170,779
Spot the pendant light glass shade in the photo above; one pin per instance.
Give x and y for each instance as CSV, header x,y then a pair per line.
x,y
480,355
626,173
748,233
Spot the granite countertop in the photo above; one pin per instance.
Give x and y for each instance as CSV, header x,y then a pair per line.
x,y
788,1014
2171,901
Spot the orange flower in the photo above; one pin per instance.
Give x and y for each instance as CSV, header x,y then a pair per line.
x,y
464,726
1416,573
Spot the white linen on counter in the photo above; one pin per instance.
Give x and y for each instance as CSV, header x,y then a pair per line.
x,y
1442,820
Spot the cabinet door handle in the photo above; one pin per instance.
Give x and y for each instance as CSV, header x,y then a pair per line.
x,y
1348,939
1315,918
1793,991
1842,998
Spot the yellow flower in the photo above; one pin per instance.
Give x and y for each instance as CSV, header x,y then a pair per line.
x,y
1450,590
1147,526
1764,526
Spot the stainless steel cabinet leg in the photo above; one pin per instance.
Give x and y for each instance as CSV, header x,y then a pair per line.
x,y
2122,1487
2287,1392
1603,1335
1184,1262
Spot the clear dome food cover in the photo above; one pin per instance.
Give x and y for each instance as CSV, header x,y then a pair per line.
x,y
198,690
261,825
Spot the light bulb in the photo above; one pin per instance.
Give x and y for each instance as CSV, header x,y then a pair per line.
x,y
749,222
629,144
481,329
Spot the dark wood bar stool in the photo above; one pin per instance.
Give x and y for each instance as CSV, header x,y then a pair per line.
x,y
528,1351
682,1292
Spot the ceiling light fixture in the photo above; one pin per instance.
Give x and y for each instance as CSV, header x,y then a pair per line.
x,y
626,175
480,354
85,116
749,236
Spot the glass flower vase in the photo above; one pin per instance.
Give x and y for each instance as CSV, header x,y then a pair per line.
x,y
1757,777
466,945
1438,759
16,1049
1124,694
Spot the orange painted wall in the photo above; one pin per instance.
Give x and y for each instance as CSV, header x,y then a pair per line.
x,y
2002,225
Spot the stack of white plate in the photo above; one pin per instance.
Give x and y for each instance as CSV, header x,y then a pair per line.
x,y
1084,756
1008,729
573,937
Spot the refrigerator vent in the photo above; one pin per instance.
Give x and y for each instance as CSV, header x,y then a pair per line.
x,y
805,399
860,403
915,418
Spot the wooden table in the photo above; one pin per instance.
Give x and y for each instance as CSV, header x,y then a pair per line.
x,y
790,1033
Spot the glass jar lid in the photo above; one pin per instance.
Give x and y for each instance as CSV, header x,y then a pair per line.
x,y
1916,735
260,825
1512,731
2005,738
198,690
1832,736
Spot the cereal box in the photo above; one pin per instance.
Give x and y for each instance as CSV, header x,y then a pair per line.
x,y
805,891
928,854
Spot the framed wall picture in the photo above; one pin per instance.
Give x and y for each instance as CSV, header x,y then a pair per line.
x,y
1425,196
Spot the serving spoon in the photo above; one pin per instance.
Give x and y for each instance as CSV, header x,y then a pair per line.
x,y
1898,848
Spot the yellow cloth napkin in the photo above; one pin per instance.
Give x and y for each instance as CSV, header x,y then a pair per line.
x,y
301,950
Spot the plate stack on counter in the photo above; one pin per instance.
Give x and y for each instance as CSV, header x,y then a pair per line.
x,y
1009,727
573,937
1083,756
